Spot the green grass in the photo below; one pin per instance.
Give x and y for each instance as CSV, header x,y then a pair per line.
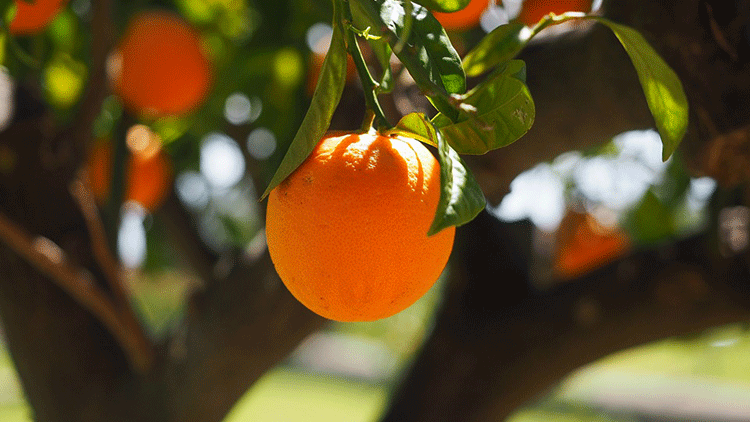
x,y
291,396
17,412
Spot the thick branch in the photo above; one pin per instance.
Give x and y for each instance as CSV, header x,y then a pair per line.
x,y
499,342
236,330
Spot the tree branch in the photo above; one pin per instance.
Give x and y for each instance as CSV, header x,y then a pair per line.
x,y
49,259
500,342
113,274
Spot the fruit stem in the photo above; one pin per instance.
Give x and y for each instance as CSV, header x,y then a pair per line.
x,y
369,85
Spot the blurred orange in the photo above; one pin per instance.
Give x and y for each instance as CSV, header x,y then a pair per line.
x,y
159,67
583,245
316,63
534,10
33,18
464,19
149,171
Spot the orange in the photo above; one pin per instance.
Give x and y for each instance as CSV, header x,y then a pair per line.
x,y
316,64
347,231
33,18
148,175
464,19
159,67
534,10
584,245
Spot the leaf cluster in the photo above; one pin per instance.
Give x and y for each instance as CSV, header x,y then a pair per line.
x,y
495,113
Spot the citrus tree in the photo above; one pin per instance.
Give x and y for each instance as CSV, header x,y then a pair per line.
x,y
415,119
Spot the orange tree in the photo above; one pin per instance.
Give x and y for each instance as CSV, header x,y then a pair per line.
x,y
84,353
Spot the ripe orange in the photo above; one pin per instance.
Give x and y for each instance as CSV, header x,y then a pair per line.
x,y
159,67
32,18
347,231
534,10
316,64
148,175
464,19
584,245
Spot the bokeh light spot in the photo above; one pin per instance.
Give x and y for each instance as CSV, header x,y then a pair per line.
x,y
192,189
221,161
261,143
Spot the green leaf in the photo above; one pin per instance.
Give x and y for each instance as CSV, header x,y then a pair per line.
x,y
324,101
500,45
505,112
444,6
417,126
383,53
664,93
651,221
461,198
506,41
379,45
424,49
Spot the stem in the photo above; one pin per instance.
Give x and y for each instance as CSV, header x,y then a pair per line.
x,y
369,85
118,180
408,22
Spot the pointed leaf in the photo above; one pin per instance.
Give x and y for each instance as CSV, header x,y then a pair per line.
x,y
417,126
505,112
664,93
461,198
444,6
502,44
506,41
324,101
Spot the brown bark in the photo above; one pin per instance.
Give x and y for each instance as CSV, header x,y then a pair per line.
x,y
500,341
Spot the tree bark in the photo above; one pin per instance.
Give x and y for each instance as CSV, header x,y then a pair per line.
x,y
500,341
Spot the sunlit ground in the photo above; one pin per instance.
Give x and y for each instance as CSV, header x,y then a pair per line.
x,y
703,378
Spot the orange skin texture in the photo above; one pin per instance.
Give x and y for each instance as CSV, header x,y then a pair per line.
x,y
148,178
464,19
33,18
162,69
347,231
583,245
534,10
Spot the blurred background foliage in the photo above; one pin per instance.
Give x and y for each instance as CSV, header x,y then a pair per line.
x,y
265,55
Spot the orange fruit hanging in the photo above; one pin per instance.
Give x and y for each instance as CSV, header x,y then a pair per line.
x,y
148,176
534,10
159,67
583,245
347,231
32,18
463,19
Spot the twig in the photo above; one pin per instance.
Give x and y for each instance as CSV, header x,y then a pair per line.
x,y
102,40
48,258
369,85
106,260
